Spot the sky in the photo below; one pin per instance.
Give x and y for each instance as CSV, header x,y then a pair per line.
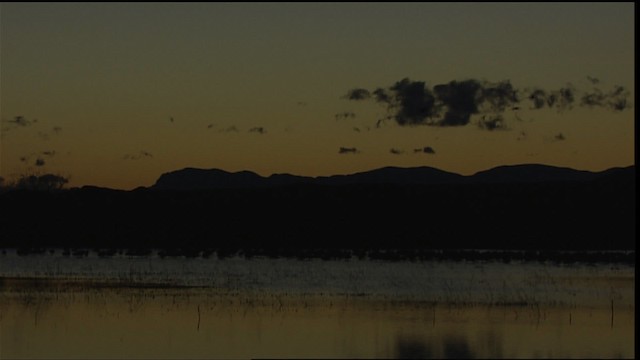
x,y
115,94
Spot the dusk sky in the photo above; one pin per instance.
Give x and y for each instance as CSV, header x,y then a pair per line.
x,y
115,94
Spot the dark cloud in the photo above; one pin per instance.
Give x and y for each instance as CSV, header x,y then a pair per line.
x,y
450,104
395,151
141,155
412,101
560,137
45,182
593,80
39,157
345,115
455,103
492,122
564,98
616,99
539,98
231,128
561,99
258,129
358,94
500,96
344,150
425,150
361,129
461,100
301,103
20,120
210,126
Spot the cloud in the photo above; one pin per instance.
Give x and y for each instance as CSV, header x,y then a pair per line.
x,y
344,150
412,101
492,123
41,182
358,94
345,115
457,102
141,155
425,150
559,137
539,98
561,99
615,100
20,120
450,104
395,151
39,157
231,128
593,80
257,129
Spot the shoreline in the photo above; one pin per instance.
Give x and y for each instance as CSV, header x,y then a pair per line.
x,y
389,254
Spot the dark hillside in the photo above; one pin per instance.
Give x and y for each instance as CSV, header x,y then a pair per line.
x,y
569,215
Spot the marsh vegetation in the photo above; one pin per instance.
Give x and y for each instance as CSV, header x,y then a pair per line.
x,y
176,307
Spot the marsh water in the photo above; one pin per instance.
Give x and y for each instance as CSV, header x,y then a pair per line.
x,y
57,306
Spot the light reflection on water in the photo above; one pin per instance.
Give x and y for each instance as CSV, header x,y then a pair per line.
x,y
321,309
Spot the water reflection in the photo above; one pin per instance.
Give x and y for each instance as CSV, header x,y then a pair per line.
x,y
449,347
92,318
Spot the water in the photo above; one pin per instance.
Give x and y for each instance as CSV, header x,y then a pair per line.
x,y
54,306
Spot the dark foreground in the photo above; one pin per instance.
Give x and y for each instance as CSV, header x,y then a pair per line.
x,y
324,220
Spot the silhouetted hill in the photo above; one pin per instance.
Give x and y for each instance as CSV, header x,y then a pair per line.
x,y
531,173
394,175
625,176
530,207
201,179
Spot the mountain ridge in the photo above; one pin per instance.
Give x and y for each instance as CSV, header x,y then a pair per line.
x,y
520,207
202,179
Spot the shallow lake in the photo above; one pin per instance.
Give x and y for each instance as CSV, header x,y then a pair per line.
x,y
55,306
